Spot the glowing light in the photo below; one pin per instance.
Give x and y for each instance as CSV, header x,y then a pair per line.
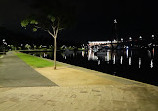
x,y
108,58
115,21
151,64
139,62
153,51
129,60
140,37
127,53
121,59
91,55
114,59
83,53
98,62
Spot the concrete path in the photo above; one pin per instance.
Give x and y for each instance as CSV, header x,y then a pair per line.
x,y
80,98
80,90
15,73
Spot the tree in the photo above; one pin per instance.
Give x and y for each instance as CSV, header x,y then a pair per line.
x,y
49,24
54,15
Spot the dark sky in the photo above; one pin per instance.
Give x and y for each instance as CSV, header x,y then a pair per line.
x,y
94,19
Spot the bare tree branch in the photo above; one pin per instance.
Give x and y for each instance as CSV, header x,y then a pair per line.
x,y
50,33
40,28
61,29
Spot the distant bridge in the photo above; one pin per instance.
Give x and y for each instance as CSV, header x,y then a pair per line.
x,y
109,44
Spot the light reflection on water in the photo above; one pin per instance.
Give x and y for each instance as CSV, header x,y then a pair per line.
x,y
139,62
141,65
114,56
151,64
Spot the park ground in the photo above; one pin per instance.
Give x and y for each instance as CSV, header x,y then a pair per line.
x,y
69,88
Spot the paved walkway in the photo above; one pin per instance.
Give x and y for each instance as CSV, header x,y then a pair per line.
x,y
79,89
15,73
85,98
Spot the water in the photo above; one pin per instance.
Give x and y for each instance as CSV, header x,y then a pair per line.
x,y
140,65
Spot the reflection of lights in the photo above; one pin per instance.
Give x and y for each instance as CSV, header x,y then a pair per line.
x,y
139,62
114,60
149,53
107,56
121,59
91,55
129,60
151,64
64,57
127,53
98,62
153,51
83,53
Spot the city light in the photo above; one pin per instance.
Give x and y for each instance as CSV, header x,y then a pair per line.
x,y
140,37
121,39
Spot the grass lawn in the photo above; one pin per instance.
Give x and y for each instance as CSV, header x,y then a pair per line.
x,y
0,55
34,61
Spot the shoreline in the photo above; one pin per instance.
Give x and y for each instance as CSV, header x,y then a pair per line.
x,y
100,74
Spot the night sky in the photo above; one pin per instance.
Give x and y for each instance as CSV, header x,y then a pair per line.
x,y
93,19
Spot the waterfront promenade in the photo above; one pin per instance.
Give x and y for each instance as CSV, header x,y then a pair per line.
x,y
69,88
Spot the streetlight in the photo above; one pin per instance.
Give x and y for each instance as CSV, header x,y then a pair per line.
x,y
130,38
